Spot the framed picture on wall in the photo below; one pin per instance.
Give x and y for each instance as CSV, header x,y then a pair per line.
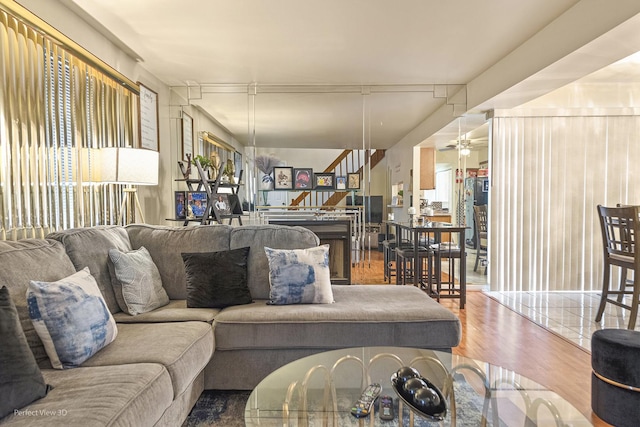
x,y
353,181
148,109
341,182
187,135
324,181
282,178
303,178
237,161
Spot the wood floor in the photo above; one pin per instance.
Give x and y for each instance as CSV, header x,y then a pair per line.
x,y
500,336
496,334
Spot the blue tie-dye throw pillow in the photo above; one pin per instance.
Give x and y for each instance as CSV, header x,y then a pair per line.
x,y
71,318
299,276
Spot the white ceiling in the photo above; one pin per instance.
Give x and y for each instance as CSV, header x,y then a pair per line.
x,y
217,45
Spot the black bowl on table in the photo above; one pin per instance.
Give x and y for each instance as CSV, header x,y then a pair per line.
x,y
419,394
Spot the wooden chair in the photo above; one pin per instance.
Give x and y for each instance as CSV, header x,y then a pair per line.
x,y
620,228
480,230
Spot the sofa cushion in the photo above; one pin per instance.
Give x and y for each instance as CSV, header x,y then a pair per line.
x,y
217,279
125,395
21,381
31,259
299,276
274,236
136,281
165,244
183,348
71,318
89,247
175,311
362,315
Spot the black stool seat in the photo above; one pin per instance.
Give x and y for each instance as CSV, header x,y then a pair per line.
x,y
407,251
615,381
407,266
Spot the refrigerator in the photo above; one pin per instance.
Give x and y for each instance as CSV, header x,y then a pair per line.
x,y
476,193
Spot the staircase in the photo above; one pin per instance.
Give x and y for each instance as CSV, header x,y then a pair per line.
x,y
349,161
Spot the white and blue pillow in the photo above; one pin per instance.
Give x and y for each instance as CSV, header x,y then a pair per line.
x,y
71,318
299,276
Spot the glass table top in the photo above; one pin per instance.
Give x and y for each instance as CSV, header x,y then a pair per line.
x,y
320,390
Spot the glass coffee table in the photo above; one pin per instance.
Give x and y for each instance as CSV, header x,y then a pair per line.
x,y
320,390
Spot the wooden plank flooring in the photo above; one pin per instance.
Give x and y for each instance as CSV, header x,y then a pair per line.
x,y
496,334
500,336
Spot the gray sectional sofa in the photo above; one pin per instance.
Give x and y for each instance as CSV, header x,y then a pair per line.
x,y
161,361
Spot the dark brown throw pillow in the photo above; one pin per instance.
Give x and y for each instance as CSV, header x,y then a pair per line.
x,y
217,279
21,381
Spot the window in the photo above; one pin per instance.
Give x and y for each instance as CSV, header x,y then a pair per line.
x,y
54,109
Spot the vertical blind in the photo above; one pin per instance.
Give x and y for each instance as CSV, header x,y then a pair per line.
x,y
55,109
548,175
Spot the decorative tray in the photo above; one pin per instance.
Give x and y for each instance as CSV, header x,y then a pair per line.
x,y
433,405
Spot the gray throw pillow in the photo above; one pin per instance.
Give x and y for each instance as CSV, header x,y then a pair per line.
x,y
217,279
21,381
137,284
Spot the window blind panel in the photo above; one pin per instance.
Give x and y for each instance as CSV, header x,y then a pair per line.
x,y
548,176
52,106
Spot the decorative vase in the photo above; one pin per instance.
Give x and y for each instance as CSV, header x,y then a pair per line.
x,y
266,182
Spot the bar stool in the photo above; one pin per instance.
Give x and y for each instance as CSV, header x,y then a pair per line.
x,y
620,228
447,288
388,251
407,266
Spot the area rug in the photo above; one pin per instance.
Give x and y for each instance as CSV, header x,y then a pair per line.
x,y
226,409
218,408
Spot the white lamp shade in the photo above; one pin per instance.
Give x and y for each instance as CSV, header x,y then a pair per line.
x,y
90,165
133,166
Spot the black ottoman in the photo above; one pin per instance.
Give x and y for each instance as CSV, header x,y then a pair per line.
x,y
615,381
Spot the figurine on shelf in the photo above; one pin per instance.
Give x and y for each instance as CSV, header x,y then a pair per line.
x,y
186,172
229,172
214,158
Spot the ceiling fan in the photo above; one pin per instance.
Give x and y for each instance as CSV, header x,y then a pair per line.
x,y
465,144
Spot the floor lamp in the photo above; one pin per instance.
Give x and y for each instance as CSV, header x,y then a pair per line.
x,y
131,167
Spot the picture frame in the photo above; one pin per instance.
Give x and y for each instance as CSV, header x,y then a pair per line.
x,y
221,204
149,131
237,161
180,198
303,178
187,135
341,182
196,204
353,181
282,178
324,181
234,202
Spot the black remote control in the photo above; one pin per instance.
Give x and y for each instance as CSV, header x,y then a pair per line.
x,y
385,410
362,407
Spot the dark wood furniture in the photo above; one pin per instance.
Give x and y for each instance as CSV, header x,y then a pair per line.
x,y
211,186
432,241
336,233
481,232
620,228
